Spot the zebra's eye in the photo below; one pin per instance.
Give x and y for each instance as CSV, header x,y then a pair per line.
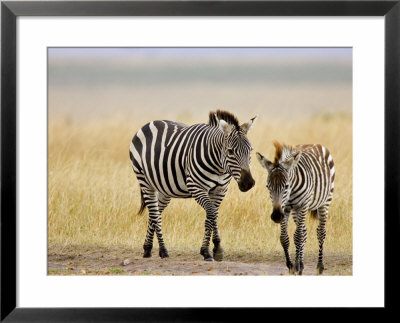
x,y
230,151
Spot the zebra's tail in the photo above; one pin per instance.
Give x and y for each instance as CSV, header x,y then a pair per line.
x,y
142,205
314,214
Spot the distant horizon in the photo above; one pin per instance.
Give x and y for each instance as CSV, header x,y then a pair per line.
x,y
150,66
203,52
168,81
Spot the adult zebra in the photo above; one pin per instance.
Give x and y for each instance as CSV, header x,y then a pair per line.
x,y
300,179
173,160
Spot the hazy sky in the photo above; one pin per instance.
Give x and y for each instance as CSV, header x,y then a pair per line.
x,y
169,81
145,66
290,52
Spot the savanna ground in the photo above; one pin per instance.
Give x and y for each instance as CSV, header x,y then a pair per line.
x,y
93,197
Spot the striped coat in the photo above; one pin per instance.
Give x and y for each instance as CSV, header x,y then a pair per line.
x,y
173,160
300,179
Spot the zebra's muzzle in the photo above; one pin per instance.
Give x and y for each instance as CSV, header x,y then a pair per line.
x,y
246,181
277,215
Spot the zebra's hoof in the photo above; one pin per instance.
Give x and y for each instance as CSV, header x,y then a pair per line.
x,y
320,269
206,254
298,268
147,254
147,251
218,254
163,253
291,270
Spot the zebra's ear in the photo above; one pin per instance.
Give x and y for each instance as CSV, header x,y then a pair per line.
x,y
268,165
249,124
225,127
292,160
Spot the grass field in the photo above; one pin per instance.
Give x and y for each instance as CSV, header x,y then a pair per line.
x,y
93,194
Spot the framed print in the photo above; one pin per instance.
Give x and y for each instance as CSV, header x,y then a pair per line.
x,y
264,78
193,90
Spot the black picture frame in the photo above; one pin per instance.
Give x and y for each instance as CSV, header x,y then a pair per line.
x,y
11,10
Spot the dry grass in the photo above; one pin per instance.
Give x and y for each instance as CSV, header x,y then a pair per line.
x,y
94,196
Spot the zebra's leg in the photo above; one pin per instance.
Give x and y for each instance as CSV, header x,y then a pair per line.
x,y
285,240
300,237
151,199
162,204
209,225
321,234
204,201
218,251
216,197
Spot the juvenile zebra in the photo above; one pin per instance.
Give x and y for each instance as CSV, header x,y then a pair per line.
x,y
173,160
300,179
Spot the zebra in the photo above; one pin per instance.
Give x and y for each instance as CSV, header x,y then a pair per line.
x,y
300,179
173,160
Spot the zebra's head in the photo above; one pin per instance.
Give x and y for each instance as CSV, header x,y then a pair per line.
x,y
278,182
236,152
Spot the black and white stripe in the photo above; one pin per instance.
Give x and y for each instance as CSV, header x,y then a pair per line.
x,y
173,160
300,179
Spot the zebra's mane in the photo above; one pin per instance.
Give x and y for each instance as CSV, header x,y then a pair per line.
x,y
224,115
282,151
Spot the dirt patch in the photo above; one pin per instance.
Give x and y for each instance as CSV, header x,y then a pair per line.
x,y
127,262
